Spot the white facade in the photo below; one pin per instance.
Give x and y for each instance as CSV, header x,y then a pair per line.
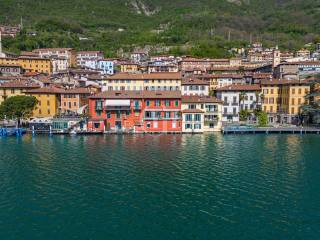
x,y
59,64
199,90
201,114
89,59
232,105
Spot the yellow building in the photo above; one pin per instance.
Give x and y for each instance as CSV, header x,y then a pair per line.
x,y
30,64
49,101
16,88
139,82
282,99
129,67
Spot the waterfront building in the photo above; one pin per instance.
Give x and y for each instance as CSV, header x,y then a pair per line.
x,y
135,111
282,99
74,101
201,114
194,86
139,82
15,88
49,101
67,53
236,98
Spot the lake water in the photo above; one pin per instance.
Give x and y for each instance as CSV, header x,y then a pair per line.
x,y
160,187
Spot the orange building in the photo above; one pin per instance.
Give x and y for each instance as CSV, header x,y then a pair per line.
x,y
74,100
136,111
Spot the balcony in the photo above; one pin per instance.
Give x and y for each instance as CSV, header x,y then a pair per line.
x,y
118,108
234,104
230,114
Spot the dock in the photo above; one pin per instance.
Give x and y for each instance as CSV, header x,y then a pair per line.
x,y
270,130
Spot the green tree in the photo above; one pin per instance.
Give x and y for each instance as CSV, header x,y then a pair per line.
x,y
262,118
18,107
242,97
244,114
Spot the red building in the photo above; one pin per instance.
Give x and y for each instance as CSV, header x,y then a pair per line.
x,y
135,111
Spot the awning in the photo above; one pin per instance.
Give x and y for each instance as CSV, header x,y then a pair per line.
x,y
118,103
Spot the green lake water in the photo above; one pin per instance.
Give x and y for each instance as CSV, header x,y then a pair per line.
x,y
160,187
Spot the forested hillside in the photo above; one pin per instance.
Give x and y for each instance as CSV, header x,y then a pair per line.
x,y
201,27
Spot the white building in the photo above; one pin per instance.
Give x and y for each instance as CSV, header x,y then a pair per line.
x,y
194,86
236,98
89,59
59,64
201,114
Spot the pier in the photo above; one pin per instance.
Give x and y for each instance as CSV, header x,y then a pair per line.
x,y
269,130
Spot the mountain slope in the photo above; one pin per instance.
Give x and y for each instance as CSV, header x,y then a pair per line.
x,y
162,22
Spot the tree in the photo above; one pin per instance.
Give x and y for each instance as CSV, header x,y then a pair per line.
x,y
244,114
18,107
262,118
242,97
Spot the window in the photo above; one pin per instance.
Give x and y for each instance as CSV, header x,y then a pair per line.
x,y
299,101
74,104
292,110
234,99
48,111
108,115
166,115
293,91
197,117
174,124
299,90
96,125
148,103
188,126
148,125
48,103
157,103
188,117
225,110
155,124
191,106
234,110
292,101
176,103
197,126
167,103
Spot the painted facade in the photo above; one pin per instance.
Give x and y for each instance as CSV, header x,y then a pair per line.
x,y
135,111
140,82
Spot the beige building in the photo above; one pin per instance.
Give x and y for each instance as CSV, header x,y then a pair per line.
x,y
201,114
15,88
139,82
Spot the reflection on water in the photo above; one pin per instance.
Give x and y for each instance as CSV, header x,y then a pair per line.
x,y
206,186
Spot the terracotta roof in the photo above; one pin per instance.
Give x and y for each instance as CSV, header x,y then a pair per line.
x,y
80,52
227,76
200,99
52,49
193,81
240,87
138,94
150,76
48,90
77,91
19,84
192,111
284,82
